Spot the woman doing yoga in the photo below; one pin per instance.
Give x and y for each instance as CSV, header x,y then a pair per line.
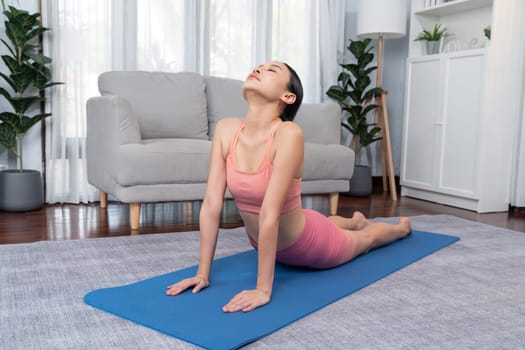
x,y
260,160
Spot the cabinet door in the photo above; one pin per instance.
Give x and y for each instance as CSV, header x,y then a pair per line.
x,y
421,110
459,124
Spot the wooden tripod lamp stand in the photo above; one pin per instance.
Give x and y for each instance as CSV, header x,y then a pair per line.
x,y
383,19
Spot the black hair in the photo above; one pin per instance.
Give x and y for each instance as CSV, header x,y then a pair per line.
x,y
296,87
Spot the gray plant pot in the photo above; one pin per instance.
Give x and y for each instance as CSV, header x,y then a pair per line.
x,y
432,47
21,191
361,181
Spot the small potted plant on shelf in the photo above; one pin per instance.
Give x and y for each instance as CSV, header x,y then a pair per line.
x,y
26,75
353,94
432,38
487,31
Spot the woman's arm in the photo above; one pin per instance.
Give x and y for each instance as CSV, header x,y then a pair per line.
x,y
210,212
287,164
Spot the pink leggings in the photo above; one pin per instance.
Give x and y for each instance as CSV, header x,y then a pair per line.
x,y
322,244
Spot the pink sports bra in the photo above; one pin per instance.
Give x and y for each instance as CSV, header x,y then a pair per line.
x,y
248,189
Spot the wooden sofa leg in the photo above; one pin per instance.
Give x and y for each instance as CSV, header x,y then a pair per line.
x,y
334,200
134,215
103,199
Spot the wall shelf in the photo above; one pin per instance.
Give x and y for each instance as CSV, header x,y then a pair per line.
x,y
452,54
453,7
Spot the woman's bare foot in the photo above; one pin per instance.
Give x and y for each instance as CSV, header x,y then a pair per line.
x,y
359,221
406,227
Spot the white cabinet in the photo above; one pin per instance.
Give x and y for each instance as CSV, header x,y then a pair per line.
x,y
440,149
460,114
420,139
518,190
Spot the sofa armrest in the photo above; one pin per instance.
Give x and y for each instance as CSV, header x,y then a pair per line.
x,y
110,123
321,122
113,115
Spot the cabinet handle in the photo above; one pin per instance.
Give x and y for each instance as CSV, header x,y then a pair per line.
x,y
439,124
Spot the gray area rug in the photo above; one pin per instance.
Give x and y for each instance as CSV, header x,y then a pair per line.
x,y
470,295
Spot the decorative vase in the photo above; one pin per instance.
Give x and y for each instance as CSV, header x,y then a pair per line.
x,y
432,47
21,191
361,181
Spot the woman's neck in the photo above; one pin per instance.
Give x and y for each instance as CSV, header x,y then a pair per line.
x,y
261,116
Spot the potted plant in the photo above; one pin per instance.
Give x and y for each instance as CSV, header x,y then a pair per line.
x,y
354,95
487,31
432,38
27,76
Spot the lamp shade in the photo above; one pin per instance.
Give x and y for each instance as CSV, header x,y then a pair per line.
x,y
382,17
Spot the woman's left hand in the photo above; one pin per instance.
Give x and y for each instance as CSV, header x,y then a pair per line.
x,y
247,300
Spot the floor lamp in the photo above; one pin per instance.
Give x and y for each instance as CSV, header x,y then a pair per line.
x,y
383,19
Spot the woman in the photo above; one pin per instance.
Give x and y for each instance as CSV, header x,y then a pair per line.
x,y
260,159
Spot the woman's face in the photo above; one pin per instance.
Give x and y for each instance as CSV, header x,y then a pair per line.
x,y
270,80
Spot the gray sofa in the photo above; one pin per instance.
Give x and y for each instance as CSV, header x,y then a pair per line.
x,y
149,138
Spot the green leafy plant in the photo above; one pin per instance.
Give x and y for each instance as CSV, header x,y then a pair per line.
x,y
435,35
353,94
487,31
28,75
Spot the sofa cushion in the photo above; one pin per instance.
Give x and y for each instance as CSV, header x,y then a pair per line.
x,y
327,162
163,161
165,104
224,100
321,122
170,161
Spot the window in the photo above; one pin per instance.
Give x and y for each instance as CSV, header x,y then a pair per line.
x,y
230,38
225,38
160,35
292,40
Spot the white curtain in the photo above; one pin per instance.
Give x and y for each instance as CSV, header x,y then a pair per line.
x,y
213,37
81,48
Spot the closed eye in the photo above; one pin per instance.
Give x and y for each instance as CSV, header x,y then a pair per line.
x,y
274,67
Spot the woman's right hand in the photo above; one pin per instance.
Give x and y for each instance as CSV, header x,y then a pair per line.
x,y
198,283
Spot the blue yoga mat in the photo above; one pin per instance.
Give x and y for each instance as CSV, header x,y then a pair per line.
x,y
198,318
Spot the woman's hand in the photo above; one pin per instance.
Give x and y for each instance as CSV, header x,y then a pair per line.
x,y
198,283
247,300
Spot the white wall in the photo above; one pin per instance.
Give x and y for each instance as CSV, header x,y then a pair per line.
x,y
395,53
32,141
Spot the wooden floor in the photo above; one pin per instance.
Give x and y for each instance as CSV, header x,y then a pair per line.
x,y
70,221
